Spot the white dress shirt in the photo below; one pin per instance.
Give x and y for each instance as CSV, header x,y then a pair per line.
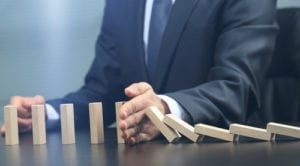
x,y
175,108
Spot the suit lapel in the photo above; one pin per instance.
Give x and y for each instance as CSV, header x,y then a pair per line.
x,y
180,13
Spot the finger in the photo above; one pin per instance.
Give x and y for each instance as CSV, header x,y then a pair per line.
x,y
132,120
131,107
131,132
29,101
137,89
2,131
23,112
141,137
39,99
18,101
24,124
136,104
145,126
25,109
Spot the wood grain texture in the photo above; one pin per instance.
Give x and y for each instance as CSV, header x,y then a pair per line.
x,y
38,124
96,123
157,117
67,123
118,105
248,131
282,129
11,125
214,132
182,127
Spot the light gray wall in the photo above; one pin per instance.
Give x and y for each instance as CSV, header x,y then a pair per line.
x,y
46,46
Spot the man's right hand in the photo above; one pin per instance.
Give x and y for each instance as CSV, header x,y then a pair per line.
x,y
24,111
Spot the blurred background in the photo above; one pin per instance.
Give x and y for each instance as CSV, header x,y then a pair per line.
x,y
47,46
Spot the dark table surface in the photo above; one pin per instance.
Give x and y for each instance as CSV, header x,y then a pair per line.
x,y
154,153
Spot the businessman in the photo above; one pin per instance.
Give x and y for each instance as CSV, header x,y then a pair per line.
x,y
202,60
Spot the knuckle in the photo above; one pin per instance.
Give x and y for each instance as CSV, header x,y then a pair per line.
x,y
133,108
145,85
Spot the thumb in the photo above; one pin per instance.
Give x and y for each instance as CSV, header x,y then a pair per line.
x,y
137,89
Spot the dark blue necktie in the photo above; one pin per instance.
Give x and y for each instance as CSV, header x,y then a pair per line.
x,y
159,17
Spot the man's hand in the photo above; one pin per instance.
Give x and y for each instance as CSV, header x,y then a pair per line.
x,y
24,111
134,124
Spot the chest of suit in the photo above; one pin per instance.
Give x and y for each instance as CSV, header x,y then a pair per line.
x,y
188,45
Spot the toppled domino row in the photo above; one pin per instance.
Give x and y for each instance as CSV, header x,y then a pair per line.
x,y
172,128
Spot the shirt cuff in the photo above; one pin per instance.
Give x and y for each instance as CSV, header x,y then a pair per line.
x,y
174,107
53,117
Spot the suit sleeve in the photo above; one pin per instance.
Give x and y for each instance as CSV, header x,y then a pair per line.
x,y
102,80
243,51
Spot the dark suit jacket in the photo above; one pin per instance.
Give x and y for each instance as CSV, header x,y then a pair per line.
x,y
281,100
212,58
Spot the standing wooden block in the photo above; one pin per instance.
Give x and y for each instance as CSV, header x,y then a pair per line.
x,y
157,119
96,123
11,125
118,106
282,129
38,124
182,127
214,132
67,123
249,131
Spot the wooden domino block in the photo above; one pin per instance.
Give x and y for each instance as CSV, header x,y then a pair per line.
x,y
282,129
214,132
118,106
96,123
11,125
249,131
157,119
182,127
38,124
67,123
